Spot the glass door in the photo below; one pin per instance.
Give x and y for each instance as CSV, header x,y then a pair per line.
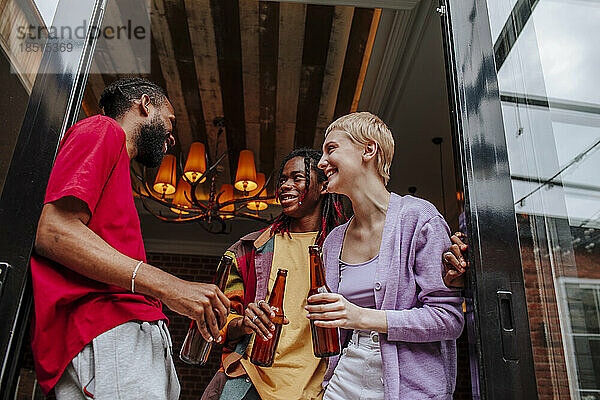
x,y
547,62
43,72
528,95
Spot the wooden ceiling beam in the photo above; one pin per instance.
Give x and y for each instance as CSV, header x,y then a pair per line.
x,y
251,75
226,20
319,20
338,42
357,43
393,4
156,73
268,68
365,59
202,35
292,18
166,55
177,20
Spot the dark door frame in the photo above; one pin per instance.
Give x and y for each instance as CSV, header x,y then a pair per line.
x,y
53,107
499,338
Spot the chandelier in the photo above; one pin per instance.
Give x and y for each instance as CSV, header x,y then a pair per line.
x,y
193,196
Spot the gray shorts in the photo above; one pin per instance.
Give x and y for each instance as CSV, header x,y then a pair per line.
x,y
131,361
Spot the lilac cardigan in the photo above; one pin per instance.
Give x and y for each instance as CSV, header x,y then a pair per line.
x,y
424,317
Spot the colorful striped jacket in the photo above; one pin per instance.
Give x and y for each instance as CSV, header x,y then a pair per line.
x,y
247,283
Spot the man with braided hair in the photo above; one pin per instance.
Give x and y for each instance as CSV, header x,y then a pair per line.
x,y
309,213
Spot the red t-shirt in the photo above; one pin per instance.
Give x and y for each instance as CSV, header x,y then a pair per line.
x,y
70,309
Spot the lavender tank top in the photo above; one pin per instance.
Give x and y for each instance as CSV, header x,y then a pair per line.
x,y
357,282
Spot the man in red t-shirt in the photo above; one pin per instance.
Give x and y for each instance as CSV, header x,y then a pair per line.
x,y
98,329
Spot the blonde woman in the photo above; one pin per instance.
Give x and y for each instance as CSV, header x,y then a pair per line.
x,y
385,266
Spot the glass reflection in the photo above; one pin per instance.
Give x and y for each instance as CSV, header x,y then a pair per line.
x,y
547,60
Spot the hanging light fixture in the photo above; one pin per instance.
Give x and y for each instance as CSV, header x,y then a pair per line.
x,y
203,192
195,166
259,205
165,180
227,197
245,178
196,197
182,197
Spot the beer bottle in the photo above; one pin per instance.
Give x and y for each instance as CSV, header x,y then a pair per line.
x,y
263,351
196,349
326,341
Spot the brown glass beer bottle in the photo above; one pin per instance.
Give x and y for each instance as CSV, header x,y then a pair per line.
x,y
263,351
195,349
326,341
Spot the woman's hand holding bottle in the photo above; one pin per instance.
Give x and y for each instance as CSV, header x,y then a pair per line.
x,y
332,310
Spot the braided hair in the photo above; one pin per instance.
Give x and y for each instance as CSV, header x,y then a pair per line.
x,y
118,97
332,213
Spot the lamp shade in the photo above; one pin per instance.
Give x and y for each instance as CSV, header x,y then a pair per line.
x,y
182,196
227,195
195,165
257,205
245,177
166,177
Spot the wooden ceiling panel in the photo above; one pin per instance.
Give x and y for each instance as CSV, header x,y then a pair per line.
x,y
202,35
319,20
338,42
251,74
268,67
359,35
177,19
173,84
292,18
278,72
226,22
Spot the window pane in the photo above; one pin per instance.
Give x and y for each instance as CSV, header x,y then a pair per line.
x,y
587,353
547,60
583,309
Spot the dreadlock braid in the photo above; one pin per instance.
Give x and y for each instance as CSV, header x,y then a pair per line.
x,y
332,213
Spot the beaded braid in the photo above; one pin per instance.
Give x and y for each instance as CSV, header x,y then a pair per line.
x,y
332,213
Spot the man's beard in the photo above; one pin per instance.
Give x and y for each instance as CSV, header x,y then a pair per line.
x,y
150,143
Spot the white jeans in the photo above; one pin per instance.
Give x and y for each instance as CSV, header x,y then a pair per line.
x,y
359,373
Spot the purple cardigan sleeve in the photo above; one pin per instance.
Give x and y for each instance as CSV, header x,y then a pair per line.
x,y
438,315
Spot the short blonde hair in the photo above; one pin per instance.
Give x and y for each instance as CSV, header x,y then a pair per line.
x,y
363,127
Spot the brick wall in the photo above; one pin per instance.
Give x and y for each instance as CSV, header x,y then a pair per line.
x,y
544,323
193,379
573,259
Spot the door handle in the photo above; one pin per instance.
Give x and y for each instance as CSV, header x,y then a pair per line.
x,y
507,325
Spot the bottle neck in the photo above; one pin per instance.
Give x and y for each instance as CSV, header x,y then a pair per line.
x,y
317,275
223,272
276,298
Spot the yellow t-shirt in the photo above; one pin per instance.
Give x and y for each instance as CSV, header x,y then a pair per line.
x,y
296,373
